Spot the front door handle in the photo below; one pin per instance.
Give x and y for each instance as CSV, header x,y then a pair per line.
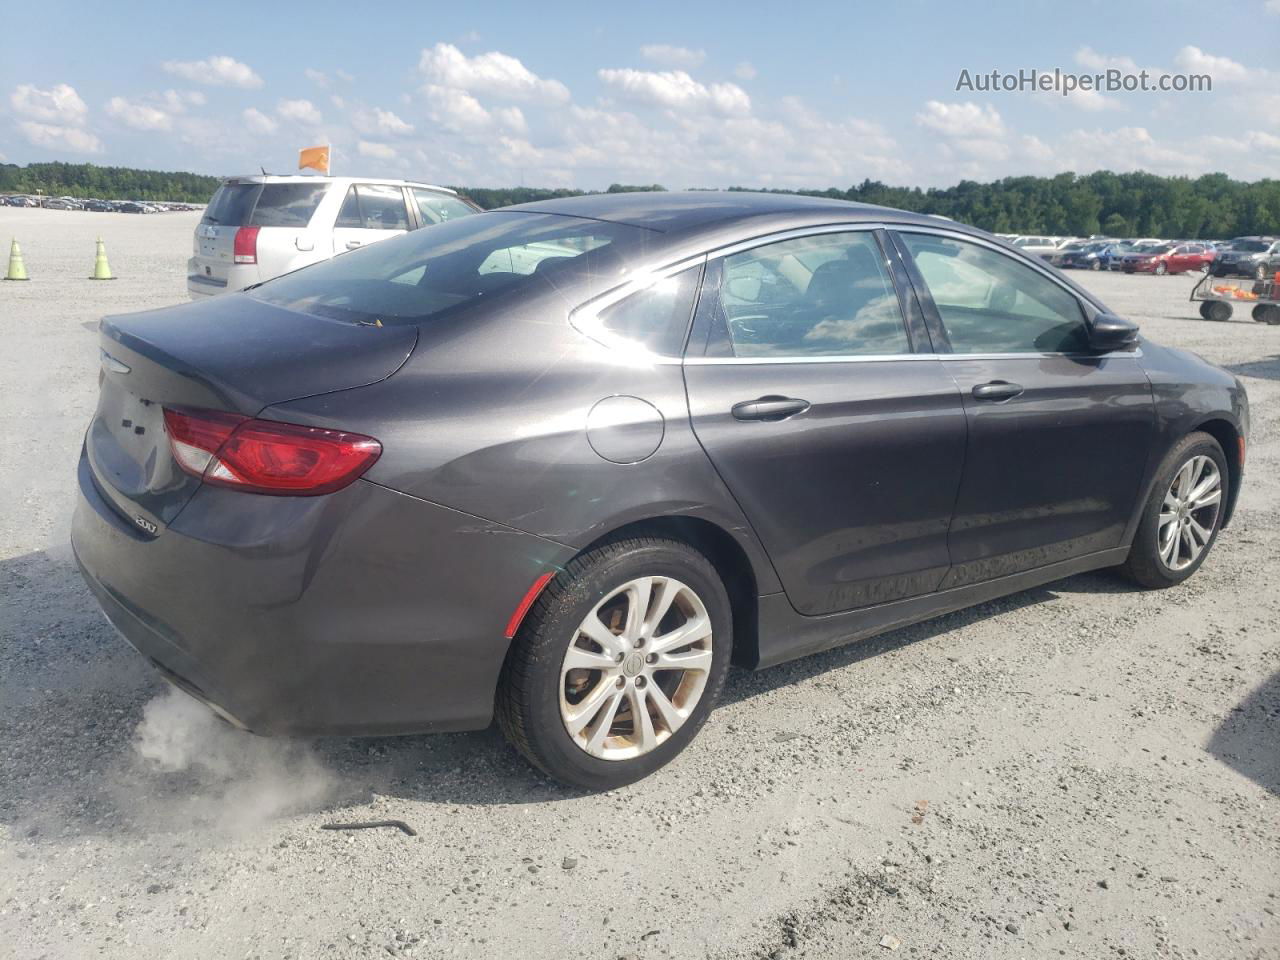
x,y
769,408
997,390
352,244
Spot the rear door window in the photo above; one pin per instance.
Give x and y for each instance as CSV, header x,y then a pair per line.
x,y
823,295
287,204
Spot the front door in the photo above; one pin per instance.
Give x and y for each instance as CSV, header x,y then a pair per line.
x,y
1058,434
838,432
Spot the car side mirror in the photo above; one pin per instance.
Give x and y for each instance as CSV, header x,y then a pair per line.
x,y
1109,332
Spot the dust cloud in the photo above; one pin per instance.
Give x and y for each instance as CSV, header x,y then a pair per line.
x,y
199,770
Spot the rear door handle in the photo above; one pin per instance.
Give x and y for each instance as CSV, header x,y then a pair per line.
x,y
769,408
352,244
997,390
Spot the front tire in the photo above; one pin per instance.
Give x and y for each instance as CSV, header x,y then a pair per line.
x,y
618,663
1182,516
1161,269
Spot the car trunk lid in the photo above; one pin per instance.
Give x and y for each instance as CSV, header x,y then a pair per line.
x,y
233,354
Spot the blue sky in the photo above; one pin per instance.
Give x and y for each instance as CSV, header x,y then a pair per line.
x,y
686,94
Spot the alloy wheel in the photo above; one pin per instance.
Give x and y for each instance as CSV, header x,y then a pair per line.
x,y
636,668
1189,513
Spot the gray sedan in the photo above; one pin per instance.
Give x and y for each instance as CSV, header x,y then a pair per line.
x,y
564,462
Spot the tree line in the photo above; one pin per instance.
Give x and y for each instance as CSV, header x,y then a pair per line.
x,y
1212,206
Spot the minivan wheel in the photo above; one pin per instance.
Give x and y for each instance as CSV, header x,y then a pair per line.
x,y
618,663
1181,519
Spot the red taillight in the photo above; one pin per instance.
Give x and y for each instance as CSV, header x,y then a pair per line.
x,y
245,246
264,456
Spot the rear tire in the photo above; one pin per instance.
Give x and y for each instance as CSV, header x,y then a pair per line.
x,y
1219,311
1182,515
585,616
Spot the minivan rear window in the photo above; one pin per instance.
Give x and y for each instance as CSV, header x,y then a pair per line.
x,y
264,204
232,204
428,274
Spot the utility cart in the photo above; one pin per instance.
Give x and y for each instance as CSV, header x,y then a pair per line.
x,y
1218,296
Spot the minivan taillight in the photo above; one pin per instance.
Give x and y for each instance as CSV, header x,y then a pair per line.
x,y
245,246
267,456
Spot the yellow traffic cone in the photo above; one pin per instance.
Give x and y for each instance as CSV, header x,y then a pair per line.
x,y
101,269
17,269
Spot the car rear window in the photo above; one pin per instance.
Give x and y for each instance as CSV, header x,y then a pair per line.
x,y
428,274
232,204
264,204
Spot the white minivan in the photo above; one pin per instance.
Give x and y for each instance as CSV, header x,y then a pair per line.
x,y
258,227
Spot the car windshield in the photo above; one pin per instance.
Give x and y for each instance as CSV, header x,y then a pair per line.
x,y
1250,246
1156,251
428,274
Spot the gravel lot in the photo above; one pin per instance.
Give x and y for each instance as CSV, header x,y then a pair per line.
x,y
1080,770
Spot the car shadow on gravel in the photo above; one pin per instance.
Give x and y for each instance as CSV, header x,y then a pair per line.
x,y
1265,369
1247,740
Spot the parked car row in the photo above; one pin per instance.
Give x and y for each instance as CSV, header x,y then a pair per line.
x,y
95,205
1254,257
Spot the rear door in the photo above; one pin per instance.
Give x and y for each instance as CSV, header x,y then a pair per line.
x,y
832,424
370,212
1058,435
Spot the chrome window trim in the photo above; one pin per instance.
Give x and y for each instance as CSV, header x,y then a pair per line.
x,y
899,357
795,233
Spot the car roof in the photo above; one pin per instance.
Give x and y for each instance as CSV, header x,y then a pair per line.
x,y
304,178
698,211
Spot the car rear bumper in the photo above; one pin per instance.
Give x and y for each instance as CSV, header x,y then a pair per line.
x,y
362,612
202,283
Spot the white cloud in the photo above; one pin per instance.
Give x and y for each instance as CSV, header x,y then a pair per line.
x,y
140,116
455,109
745,70
154,111
318,77
1093,60
259,122
216,71
676,89
1221,69
666,55
1272,6
55,137
379,151
59,104
961,119
378,121
495,74
303,111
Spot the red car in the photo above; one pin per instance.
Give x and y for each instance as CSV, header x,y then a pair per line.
x,y
1170,258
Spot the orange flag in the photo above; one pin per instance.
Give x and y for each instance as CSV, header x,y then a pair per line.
x,y
317,158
